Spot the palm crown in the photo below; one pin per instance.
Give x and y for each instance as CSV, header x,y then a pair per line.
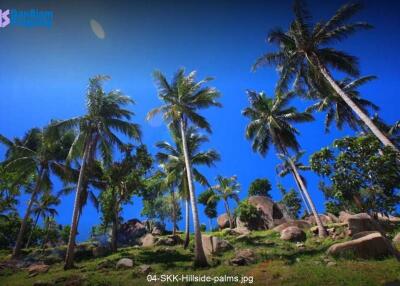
x,y
271,122
304,45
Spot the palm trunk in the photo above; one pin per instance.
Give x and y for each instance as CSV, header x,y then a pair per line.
x,y
301,193
69,258
364,117
187,221
173,213
228,212
33,229
18,243
199,256
321,229
47,235
114,235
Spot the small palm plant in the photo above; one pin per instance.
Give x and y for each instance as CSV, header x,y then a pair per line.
x,y
44,207
225,189
285,168
182,99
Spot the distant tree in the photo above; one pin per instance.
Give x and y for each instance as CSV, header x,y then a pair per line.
x,y
260,187
64,233
210,206
225,189
363,175
292,202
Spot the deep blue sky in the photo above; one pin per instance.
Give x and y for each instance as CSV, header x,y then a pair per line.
x,y
44,72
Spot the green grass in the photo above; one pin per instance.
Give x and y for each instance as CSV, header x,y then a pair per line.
x,y
278,263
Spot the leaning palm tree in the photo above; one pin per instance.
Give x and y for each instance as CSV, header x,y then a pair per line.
x,y
285,168
336,108
173,160
105,114
37,155
44,207
182,99
225,189
304,55
271,123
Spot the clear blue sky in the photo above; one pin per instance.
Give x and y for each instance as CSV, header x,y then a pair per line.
x,y
44,72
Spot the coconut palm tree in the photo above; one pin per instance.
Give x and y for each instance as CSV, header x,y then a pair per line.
x,y
304,55
105,115
225,189
182,100
37,155
44,207
285,168
336,109
271,124
173,161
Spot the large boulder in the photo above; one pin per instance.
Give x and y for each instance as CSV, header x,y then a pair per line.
x,y
223,221
214,245
294,234
362,222
124,263
396,239
271,213
130,232
148,240
344,216
325,219
37,268
243,257
303,224
373,245
171,240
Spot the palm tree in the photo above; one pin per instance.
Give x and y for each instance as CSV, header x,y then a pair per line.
x,y
227,188
173,162
182,99
271,123
37,154
105,114
285,168
43,207
336,109
304,55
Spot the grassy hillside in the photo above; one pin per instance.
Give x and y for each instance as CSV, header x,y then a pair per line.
x,y
278,263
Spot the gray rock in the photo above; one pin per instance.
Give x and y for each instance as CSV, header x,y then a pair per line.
x,y
124,263
362,222
303,224
243,257
223,221
145,269
130,232
373,245
214,245
293,233
148,240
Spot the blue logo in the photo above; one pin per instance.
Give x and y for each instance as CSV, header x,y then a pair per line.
x,y
26,18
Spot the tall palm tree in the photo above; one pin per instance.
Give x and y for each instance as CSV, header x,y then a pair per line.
x,y
271,123
182,100
304,55
105,114
336,108
173,160
37,154
44,207
225,189
285,168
